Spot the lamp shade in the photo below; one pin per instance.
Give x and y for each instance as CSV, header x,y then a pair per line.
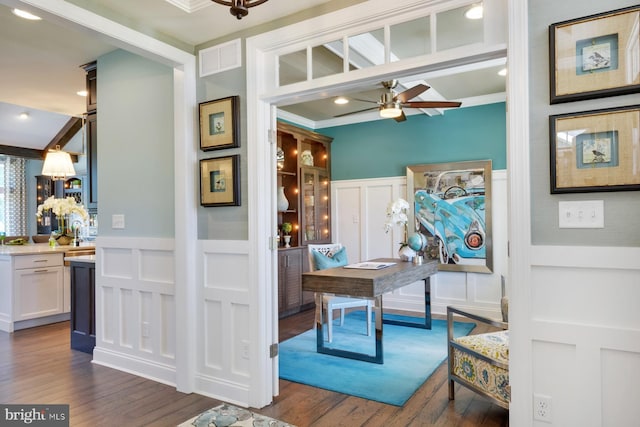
x,y
58,165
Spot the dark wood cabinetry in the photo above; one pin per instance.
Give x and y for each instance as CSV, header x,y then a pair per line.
x,y
292,262
304,177
92,137
45,188
83,311
92,163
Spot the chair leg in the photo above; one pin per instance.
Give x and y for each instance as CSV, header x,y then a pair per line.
x,y
369,318
342,317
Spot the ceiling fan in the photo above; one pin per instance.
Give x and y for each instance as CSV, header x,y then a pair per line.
x,y
391,104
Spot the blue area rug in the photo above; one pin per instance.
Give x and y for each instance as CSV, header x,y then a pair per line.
x,y
410,357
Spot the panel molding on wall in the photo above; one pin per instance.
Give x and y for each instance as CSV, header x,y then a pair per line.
x,y
359,212
584,348
224,343
135,307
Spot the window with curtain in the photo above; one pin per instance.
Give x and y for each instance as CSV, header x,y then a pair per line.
x,y
13,196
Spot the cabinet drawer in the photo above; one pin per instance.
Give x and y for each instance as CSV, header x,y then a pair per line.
x,y
37,261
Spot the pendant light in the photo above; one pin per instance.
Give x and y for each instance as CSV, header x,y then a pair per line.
x,y
239,8
58,164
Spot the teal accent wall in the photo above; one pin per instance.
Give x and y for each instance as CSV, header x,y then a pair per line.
x,y
384,148
135,145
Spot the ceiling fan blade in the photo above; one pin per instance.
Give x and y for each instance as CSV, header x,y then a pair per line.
x,y
355,112
411,93
365,100
432,104
400,118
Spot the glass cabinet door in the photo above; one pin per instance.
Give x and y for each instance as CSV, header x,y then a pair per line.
x,y
315,207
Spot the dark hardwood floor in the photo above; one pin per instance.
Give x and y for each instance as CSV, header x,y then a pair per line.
x,y
38,367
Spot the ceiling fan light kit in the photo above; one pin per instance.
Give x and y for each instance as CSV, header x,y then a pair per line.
x,y
239,8
391,104
390,111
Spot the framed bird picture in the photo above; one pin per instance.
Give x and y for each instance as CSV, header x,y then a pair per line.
x,y
595,56
220,181
595,150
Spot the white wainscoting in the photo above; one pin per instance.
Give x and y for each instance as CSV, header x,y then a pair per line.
x,y
359,213
585,306
135,307
223,338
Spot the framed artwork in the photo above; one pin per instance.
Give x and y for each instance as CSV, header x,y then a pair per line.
x,y
220,181
452,213
220,124
595,56
595,150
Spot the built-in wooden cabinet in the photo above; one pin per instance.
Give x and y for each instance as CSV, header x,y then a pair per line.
x,y
92,137
292,262
304,175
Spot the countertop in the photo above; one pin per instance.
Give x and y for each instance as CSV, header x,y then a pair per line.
x,y
40,248
88,259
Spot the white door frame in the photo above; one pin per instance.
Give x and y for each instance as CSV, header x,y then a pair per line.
x,y
261,171
185,128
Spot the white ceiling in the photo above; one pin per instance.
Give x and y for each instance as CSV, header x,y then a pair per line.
x,y
40,60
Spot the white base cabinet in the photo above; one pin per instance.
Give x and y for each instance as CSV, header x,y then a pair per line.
x,y
33,295
38,292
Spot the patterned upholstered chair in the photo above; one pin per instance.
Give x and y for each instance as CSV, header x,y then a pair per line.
x,y
480,362
334,302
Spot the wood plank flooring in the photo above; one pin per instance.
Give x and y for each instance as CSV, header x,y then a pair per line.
x,y
37,366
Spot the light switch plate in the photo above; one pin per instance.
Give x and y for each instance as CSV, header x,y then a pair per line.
x,y
117,221
581,214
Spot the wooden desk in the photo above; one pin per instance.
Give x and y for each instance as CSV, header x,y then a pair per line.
x,y
369,284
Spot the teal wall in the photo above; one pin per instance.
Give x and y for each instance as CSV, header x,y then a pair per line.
x,y
135,145
384,148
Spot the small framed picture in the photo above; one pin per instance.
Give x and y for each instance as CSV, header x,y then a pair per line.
x,y
220,181
595,56
595,150
219,124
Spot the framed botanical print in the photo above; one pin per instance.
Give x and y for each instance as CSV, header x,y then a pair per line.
x,y
595,56
220,124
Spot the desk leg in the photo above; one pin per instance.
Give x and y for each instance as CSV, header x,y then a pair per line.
x,y
426,323
378,358
319,323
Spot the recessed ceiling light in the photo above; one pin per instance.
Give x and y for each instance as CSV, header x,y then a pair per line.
x,y
82,93
502,72
24,116
474,12
341,100
26,15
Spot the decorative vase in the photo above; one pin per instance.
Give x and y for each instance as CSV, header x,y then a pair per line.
x,y
282,203
287,241
406,253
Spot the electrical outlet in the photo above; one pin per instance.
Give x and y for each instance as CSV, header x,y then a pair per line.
x,y
542,408
244,349
146,329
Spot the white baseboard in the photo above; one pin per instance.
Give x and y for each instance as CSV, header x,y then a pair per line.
x,y
234,393
158,372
